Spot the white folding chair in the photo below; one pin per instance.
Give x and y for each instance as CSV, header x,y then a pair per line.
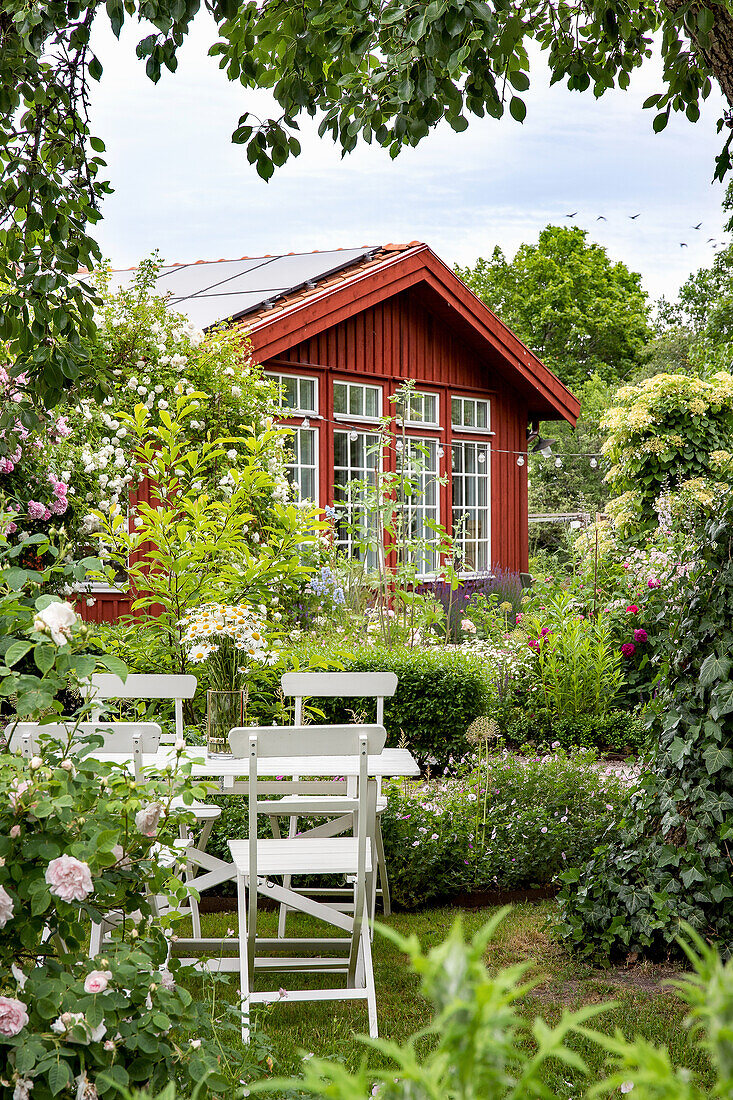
x,y
129,738
258,861
147,686
342,685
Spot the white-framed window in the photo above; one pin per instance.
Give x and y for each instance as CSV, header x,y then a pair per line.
x,y
302,467
297,392
422,410
356,458
357,401
470,412
420,462
471,462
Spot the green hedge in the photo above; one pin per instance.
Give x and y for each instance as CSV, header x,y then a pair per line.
x,y
615,731
439,693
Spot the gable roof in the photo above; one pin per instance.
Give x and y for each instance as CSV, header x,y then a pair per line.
x,y
282,300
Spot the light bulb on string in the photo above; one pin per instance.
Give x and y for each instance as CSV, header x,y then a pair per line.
x,y
398,445
520,460
441,452
558,463
306,423
593,463
482,457
353,436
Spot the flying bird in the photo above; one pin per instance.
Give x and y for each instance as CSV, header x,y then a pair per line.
x,y
600,218
633,217
696,226
571,215
709,240
682,244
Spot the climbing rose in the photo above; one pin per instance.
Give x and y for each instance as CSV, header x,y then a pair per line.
x,y
628,648
632,609
640,635
57,620
97,981
69,878
146,820
13,1016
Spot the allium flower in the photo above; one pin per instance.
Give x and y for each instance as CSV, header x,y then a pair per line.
x,y
6,907
13,1016
97,981
628,648
148,818
640,635
69,878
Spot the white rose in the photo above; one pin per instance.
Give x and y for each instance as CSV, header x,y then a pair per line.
x,y
6,907
147,819
58,618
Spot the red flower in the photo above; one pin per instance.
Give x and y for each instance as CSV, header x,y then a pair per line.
x,y
628,648
640,635
632,609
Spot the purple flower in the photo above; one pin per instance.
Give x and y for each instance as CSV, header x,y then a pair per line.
x,y
628,648
654,583
640,635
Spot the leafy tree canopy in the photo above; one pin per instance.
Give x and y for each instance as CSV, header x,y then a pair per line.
x,y
385,71
581,313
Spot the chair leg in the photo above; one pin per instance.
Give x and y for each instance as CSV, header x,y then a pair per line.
x,y
287,880
190,873
366,956
95,941
382,865
244,986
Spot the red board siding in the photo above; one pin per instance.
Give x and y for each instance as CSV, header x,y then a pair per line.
x,y
398,339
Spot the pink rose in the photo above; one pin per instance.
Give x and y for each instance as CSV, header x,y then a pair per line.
x,y
60,489
69,878
6,907
15,832
13,1016
35,509
640,635
59,506
18,789
632,609
97,981
628,649
147,819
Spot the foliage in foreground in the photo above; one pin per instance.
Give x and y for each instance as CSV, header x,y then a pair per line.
x,y
486,1048
670,860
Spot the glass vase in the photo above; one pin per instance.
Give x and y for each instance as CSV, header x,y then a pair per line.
x,y
224,711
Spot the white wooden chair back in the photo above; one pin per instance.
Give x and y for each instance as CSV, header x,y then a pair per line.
x,y
264,743
146,686
131,738
339,685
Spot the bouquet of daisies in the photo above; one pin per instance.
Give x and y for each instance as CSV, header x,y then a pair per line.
x,y
225,639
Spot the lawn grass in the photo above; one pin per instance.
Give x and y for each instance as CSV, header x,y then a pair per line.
x,y
644,1007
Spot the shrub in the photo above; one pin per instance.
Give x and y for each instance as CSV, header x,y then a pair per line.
x,y
439,693
670,860
512,823
615,731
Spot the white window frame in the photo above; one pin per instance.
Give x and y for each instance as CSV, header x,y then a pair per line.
x,y
421,394
280,376
475,401
357,419
356,473
297,465
431,512
464,540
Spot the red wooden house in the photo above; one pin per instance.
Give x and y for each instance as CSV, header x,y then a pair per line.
x,y
341,331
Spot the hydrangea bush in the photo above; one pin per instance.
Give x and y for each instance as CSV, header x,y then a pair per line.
x,y
671,432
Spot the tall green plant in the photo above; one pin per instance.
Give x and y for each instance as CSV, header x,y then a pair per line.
x,y
188,547
669,861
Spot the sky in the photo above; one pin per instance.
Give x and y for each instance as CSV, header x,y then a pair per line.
x,y
182,187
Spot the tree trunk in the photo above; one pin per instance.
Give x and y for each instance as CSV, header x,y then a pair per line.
x,y
718,53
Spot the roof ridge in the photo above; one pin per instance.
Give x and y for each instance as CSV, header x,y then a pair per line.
x,y
276,255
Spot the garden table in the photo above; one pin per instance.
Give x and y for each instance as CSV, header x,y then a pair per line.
x,y
230,775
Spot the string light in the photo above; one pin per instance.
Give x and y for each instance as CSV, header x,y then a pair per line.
x,y
353,436
306,423
593,463
558,462
520,460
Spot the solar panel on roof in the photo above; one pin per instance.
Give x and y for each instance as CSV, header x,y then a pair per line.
x,y
211,292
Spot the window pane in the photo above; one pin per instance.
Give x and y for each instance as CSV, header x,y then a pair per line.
x,y
290,392
308,394
307,448
480,414
431,413
468,414
372,401
455,410
356,400
308,484
339,397
340,449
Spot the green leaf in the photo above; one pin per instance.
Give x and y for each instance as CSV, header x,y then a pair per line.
x,y
717,757
44,655
59,1077
517,109
16,651
714,668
